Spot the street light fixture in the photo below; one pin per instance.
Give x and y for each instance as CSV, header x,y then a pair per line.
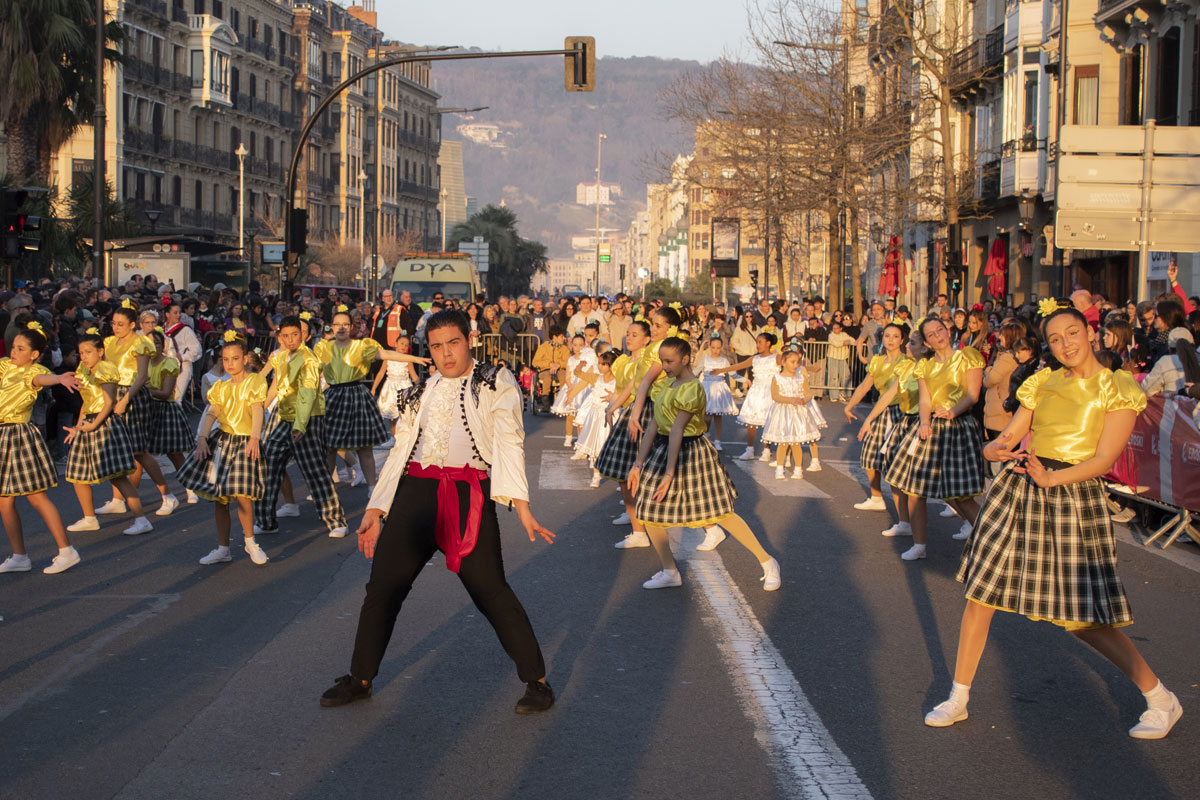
x,y
362,234
241,154
599,149
152,214
1026,206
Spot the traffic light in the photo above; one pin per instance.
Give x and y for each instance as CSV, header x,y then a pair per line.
x,y
16,226
580,66
298,235
753,279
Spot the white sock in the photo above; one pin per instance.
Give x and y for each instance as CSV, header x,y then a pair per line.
x,y
712,530
63,551
960,693
1158,697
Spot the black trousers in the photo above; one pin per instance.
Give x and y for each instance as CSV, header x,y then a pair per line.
x,y
405,545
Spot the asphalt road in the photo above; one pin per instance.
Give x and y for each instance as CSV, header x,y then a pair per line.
x,y
141,674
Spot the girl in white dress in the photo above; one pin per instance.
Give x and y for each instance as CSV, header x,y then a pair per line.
x,y
790,422
593,429
763,367
716,387
566,404
397,377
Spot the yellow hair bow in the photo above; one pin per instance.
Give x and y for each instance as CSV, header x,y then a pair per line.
x,y
1048,305
127,303
93,331
305,315
159,328
34,325
677,305
342,309
231,336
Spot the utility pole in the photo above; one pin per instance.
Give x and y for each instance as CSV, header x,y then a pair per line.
x,y
600,137
99,134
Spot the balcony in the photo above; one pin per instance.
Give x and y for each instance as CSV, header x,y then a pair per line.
x,y
206,220
1022,162
417,190
259,48
147,73
887,37
977,64
155,8
1023,26
989,181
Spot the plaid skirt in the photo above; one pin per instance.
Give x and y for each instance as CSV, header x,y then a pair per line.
x,y
100,455
227,472
27,465
873,455
947,465
170,431
618,453
701,492
1046,553
352,418
138,418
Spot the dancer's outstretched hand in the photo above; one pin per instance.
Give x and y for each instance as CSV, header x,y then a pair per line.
x,y
664,486
864,430
1001,449
850,417
368,531
532,526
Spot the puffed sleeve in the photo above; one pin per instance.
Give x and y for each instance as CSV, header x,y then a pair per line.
x,y
368,352
1119,391
143,347
656,390
921,370
216,394
170,367
874,365
31,372
691,398
971,359
256,390
106,372
1027,395
323,351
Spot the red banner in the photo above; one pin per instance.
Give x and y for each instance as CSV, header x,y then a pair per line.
x,y
1162,459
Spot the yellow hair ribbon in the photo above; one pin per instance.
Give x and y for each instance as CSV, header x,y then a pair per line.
x,y
93,331
34,325
231,336
305,315
159,328
127,303
1048,305
341,309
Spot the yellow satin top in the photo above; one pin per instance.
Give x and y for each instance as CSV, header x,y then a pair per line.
x,y
298,386
91,385
882,372
1068,413
947,381
234,402
346,364
647,359
125,355
687,396
622,370
908,392
17,392
158,372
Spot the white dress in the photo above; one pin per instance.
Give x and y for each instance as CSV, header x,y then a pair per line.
x,y
398,379
716,387
758,399
788,423
593,430
561,406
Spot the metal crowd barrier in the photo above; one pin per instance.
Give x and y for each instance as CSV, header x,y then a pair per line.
x,y
834,377
493,348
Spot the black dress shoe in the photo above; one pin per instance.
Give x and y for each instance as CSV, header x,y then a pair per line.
x,y
345,690
538,697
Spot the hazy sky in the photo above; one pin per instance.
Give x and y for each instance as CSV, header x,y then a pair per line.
x,y
691,29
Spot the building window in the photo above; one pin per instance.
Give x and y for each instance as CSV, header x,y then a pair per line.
x,y
1029,132
220,72
197,69
862,13
1087,95
177,191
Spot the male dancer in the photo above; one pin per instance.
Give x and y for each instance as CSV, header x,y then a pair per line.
x,y
297,386
459,450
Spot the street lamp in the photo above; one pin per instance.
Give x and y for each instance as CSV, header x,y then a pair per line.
x,y
241,154
152,214
362,237
1026,206
599,149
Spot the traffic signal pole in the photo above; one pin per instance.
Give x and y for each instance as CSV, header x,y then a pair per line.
x,y
580,76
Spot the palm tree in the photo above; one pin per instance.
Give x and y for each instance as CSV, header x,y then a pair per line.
x,y
512,261
48,63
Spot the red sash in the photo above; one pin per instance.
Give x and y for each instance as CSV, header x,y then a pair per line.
x,y
450,541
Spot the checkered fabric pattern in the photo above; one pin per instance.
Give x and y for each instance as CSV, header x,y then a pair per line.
x,y
1045,552
948,464
618,453
235,474
27,466
100,455
352,418
700,493
891,446
169,432
139,418
873,455
310,454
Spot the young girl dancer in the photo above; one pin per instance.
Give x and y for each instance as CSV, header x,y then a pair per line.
x,y
881,372
399,376
225,465
593,430
619,451
678,478
100,447
789,422
764,366
130,352
27,467
812,374
943,456
170,434
716,388
566,404
1044,546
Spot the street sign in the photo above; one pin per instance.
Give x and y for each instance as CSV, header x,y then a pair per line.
x,y
272,252
478,250
605,253
726,236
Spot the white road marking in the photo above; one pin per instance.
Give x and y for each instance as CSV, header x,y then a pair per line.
x,y
808,762
559,472
764,475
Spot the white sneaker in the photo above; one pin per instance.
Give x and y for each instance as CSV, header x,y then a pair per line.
x,y
16,563
288,510
1155,723
779,473
357,478
948,511
192,497
1124,515
388,445
964,532
872,503
899,529
566,441
169,504
771,580
63,561
256,552
945,714
766,454
635,539
814,466
623,519
664,579
578,455
85,524
140,525
339,533
113,506
217,556
717,445
748,455
713,536
797,474
914,552
596,480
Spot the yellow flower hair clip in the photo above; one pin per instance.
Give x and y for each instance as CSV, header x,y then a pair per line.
x,y
93,331
1048,305
127,303
34,325
305,315
159,328
231,336
342,309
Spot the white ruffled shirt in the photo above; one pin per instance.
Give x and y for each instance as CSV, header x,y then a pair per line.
x,y
444,440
